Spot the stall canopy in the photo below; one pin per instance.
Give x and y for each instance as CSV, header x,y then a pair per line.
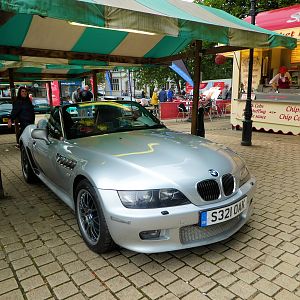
x,y
287,17
101,32
31,71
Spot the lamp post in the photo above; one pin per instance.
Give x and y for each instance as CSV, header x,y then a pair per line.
x,y
247,123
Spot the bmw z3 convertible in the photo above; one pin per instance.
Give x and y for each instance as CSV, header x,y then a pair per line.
x,y
133,182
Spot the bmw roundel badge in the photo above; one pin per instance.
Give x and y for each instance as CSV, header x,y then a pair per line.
x,y
213,173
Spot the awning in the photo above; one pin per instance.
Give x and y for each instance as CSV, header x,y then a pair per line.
x,y
287,17
117,32
43,71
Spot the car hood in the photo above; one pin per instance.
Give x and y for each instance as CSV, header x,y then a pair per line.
x,y
157,158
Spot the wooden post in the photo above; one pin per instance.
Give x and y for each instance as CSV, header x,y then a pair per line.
x,y
1,187
198,50
13,97
95,85
50,93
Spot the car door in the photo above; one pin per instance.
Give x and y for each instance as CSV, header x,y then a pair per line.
x,y
52,158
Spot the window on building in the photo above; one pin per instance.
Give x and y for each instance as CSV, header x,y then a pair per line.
x,y
115,84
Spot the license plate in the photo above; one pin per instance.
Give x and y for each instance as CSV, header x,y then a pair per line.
x,y
223,214
5,119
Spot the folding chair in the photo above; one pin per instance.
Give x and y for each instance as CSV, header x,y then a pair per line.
x,y
214,110
182,112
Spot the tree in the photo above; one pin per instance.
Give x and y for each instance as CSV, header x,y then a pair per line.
x,y
158,76
240,8
154,76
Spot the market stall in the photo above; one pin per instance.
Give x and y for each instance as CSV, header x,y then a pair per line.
x,y
275,110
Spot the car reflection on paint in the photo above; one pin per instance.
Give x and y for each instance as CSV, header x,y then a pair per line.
x,y
133,182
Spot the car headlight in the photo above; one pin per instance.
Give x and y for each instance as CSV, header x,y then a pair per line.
x,y
152,198
245,175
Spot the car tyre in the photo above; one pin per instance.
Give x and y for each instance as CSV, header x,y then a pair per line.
x,y
27,170
91,220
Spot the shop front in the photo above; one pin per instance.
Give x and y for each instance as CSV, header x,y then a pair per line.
x,y
273,108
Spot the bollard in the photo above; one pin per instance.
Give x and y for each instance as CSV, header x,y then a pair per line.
x,y
1,187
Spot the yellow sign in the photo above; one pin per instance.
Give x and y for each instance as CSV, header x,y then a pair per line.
x,y
292,32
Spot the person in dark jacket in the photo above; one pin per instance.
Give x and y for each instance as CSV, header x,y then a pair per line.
x,y
162,96
86,95
22,111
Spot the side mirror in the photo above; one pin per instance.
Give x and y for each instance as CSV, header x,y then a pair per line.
x,y
40,134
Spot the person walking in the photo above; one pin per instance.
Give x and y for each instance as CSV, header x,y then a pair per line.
x,y
162,96
22,112
154,102
86,95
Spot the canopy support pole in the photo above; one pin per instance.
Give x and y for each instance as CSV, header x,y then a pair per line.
x,y
95,85
12,84
197,70
13,98
1,187
50,93
247,122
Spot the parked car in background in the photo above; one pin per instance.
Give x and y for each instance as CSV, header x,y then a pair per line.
x,y
5,110
41,105
134,182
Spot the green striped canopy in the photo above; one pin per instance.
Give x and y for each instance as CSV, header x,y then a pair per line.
x,y
42,71
128,28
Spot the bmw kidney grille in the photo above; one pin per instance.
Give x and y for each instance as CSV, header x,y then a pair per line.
x,y
209,189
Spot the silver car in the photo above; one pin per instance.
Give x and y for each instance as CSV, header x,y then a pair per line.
x,y
133,182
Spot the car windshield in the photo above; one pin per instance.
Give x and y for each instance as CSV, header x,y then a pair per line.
x,y
95,118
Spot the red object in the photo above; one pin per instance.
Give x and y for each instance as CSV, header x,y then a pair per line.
x,y
220,59
169,110
287,17
283,69
55,93
189,88
220,84
92,83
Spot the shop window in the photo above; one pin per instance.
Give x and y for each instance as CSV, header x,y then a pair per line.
x,y
115,84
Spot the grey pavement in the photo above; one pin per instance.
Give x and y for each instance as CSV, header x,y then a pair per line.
x,y
42,255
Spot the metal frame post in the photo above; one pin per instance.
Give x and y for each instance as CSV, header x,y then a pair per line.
x,y
247,122
197,70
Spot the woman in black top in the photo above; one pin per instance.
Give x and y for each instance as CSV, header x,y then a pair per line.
x,y
22,110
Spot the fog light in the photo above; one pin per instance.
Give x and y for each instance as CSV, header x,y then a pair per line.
x,y
150,235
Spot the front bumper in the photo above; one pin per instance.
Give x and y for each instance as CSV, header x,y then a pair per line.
x,y
178,227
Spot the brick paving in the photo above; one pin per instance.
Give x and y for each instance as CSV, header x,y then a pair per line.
x,y
42,255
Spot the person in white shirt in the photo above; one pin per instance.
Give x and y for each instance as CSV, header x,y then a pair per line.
x,y
282,80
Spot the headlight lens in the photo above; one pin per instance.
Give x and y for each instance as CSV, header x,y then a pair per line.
x,y
245,175
152,198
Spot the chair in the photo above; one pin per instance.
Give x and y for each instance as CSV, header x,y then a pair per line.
x,y
207,106
226,109
214,110
182,112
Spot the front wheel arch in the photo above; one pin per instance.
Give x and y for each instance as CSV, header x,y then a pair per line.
x,y
90,218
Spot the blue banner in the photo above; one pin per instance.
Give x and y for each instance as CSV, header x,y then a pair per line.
x,y
179,67
108,77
